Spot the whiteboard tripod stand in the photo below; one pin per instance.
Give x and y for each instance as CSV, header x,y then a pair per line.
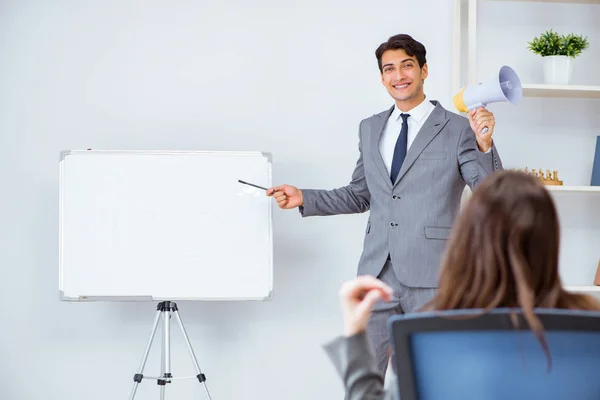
x,y
164,310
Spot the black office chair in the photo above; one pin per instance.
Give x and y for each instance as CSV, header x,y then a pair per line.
x,y
464,355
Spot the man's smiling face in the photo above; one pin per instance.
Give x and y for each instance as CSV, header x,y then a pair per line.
x,y
403,78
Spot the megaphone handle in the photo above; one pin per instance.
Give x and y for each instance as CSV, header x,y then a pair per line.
x,y
473,107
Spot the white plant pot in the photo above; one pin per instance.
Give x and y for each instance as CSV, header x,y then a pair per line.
x,y
558,70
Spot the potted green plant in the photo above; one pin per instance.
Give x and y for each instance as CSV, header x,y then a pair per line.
x,y
558,54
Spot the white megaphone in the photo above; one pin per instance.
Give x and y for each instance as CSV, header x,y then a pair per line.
x,y
505,87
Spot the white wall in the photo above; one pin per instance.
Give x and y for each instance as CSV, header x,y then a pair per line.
x,y
291,78
553,134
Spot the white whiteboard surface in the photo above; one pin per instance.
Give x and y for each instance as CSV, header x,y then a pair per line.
x,y
164,225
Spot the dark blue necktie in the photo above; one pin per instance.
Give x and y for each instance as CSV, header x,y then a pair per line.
x,y
400,149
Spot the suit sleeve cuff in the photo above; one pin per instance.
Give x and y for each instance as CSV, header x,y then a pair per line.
x,y
489,160
308,208
347,352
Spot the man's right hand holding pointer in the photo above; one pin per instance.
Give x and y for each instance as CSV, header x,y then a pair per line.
x,y
287,196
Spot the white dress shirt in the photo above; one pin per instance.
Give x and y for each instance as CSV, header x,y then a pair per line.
x,y
418,116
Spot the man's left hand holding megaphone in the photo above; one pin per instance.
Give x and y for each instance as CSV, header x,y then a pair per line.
x,y
480,119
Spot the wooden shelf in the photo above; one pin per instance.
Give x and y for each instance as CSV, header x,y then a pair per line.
x,y
571,91
555,1
574,189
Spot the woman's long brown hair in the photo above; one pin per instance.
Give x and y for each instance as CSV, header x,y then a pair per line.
x,y
503,252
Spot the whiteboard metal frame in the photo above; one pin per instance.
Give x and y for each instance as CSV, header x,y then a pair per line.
x,y
150,298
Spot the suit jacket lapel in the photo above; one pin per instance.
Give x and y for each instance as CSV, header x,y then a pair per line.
x,y
378,127
432,126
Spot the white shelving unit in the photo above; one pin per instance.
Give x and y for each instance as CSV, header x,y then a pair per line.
x,y
529,90
591,290
590,194
568,91
555,1
574,189
595,289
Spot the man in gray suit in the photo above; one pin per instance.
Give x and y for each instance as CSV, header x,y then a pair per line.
x,y
415,159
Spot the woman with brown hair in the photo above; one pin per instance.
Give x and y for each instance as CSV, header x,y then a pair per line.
x,y
503,252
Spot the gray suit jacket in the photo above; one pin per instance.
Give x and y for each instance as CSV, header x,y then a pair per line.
x,y
353,359
410,219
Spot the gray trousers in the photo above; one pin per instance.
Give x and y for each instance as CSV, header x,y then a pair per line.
x,y
405,300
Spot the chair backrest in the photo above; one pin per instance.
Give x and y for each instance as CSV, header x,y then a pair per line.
x,y
466,354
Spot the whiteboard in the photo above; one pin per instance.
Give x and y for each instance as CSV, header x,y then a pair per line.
x,y
164,225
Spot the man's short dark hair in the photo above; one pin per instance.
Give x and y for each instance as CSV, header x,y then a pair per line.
x,y
403,42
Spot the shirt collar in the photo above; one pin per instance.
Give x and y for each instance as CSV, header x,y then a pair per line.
x,y
417,113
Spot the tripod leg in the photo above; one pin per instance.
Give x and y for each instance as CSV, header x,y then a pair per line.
x,y
162,382
167,343
137,378
166,350
201,377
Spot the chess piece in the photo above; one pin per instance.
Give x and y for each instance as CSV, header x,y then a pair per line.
x,y
556,178
553,179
